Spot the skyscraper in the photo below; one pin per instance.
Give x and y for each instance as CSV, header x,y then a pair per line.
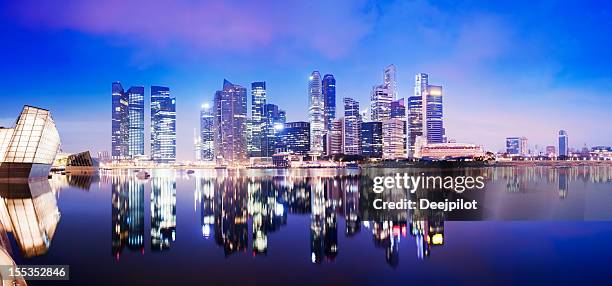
x,y
136,134
390,80
163,125
415,111
371,139
398,111
563,143
393,134
258,119
230,124
329,100
294,138
275,118
433,114
316,113
336,137
120,123
352,127
207,133
381,98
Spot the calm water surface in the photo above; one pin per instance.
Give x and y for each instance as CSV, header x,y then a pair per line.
x,y
303,227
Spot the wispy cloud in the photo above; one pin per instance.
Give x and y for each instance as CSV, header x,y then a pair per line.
x,y
331,28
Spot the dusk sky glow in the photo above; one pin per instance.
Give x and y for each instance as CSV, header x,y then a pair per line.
x,y
508,68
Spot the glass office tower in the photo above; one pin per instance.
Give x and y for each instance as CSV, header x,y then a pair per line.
x,y
163,125
136,136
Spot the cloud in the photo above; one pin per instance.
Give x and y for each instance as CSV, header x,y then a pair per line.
x,y
331,28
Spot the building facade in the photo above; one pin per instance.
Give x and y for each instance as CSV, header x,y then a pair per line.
x,y
28,149
434,114
230,124
259,121
371,139
415,111
381,99
335,137
207,134
352,127
393,134
120,123
329,100
316,116
516,146
294,138
563,143
163,125
136,116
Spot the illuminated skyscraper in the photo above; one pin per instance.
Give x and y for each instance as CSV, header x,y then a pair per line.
x,y
415,111
329,100
336,137
120,125
433,114
294,138
207,148
381,99
390,80
136,134
275,119
258,118
230,124
393,143
563,143
371,139
163,125
352,127
316,113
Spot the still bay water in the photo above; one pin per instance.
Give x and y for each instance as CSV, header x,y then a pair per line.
x,y
303,226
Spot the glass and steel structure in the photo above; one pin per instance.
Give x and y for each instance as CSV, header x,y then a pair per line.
x,y
163,125
29,149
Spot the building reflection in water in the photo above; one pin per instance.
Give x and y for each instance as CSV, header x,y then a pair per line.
x,y
241,211
29,211
163,212
127,215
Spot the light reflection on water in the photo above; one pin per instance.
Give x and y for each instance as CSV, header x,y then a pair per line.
x,y
240,213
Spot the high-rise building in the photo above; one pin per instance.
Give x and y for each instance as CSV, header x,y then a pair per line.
x,y
329,100
294,138
398,111
207,134
335,136
316,115
163,125
371,139
352,126
563,143
393,134
415,111
433,114
390,80
136,133
516,146
120,123
275,119
230,124
258,119
381,99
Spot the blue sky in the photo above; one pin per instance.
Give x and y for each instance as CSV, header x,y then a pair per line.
x,y
509,68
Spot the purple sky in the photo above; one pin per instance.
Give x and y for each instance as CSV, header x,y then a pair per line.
x,y
508,68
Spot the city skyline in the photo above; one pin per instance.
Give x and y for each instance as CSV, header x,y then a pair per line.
x,y
527,90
